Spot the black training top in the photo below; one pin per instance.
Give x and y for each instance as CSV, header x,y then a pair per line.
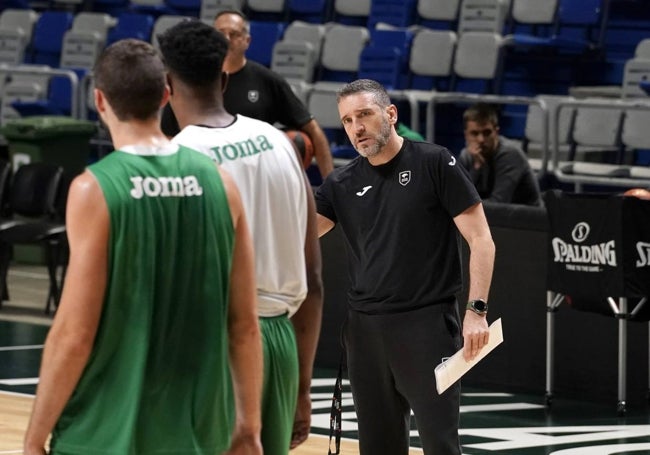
x,y
397,219
506,177
257,92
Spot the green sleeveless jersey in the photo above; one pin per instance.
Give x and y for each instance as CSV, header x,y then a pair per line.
x,y
158,379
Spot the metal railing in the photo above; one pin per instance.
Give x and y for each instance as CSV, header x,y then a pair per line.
x,y
470,98
577,178
75,96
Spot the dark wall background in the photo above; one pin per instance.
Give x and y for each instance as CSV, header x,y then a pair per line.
x,y
586,343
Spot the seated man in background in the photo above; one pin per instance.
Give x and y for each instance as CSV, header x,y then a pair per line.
x,y
257,92
498,167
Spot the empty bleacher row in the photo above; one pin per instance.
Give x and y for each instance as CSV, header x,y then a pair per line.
x,y
560,52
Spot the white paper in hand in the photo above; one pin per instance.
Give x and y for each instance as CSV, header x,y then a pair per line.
x,y
451,370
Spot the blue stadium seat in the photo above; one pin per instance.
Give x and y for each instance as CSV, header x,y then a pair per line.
x,y
185,7
17,4
155,8
400,13
313,11
131,25
399,37
645,86
438,14
578,25
24,87
48,37
626,27
482,16
432,73
427,75
294,60
532,17
266,10
59,96
322,104
112,7
264,35
82,44
16,31
351,13
635,138
341,51
382,64
477,64
308,33
386,57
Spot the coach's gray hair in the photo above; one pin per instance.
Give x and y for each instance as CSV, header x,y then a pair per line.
x,y
365,86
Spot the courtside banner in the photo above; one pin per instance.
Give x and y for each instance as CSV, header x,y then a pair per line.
x,y
636,246
598,247
585,245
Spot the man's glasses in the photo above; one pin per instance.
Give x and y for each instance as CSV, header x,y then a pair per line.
x,y
234,34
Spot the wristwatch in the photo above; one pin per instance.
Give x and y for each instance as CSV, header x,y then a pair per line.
x,y
478,306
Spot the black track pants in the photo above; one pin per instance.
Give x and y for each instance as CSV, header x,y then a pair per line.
x,y
391,359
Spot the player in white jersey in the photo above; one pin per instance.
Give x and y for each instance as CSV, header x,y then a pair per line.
x,y
279,204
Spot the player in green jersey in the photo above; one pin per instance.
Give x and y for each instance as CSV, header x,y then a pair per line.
x,y
156,346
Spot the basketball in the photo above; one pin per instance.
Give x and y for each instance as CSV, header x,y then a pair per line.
x,y
304,146
641,193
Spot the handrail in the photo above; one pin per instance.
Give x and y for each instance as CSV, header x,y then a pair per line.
x,y
601,103
84,87
71,75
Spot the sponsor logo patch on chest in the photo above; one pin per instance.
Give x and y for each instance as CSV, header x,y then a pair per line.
x,y
404,178
253,96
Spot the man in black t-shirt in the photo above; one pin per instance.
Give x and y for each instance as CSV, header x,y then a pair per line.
x,y
401,204
257,92
497,166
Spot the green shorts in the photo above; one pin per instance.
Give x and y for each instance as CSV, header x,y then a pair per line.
x,y
280,388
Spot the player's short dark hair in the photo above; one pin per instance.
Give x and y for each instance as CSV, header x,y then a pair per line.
x,y
131,75
481,113
365,86
194,52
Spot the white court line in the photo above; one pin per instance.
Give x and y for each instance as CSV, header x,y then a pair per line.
x,y
499,407
488,394
25,274
320,382
19,381
21,348
320,436
327,396
2,452
18,394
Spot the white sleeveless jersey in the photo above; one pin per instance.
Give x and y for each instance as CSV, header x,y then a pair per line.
x,y
265,167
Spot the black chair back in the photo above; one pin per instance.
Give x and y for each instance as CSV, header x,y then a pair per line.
x,y
34,189
5,185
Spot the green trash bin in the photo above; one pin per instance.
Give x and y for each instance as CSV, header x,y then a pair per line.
x,y
50,139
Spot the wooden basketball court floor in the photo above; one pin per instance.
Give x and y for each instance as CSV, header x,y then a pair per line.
x,y
491,422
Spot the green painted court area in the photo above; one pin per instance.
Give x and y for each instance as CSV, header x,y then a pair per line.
x,y
504,423
491,422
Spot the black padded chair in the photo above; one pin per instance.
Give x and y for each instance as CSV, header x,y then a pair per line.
x,y
35,217
597,262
